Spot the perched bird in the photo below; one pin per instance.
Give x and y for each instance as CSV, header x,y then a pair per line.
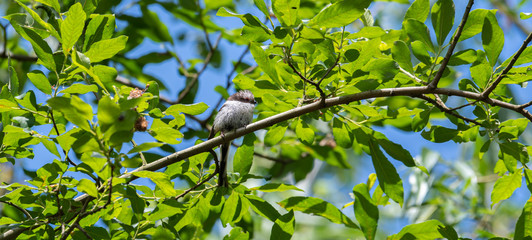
x,y
235,113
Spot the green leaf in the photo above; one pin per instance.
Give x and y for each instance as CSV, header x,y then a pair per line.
x,y
6,221
74,109
13,82
283,228
505,186
166,209
6,105
262,7
80,88
528,178
50,146
244,155
467,56
523,227
275,134
304,132
41,48
262,207
366,211
417,30
421,52
424,230
481,70
160,179
106,49
393,149
72,27
475,23
442,19
237,234
419,10
276,187
264,62
525,16
164,133
286,12
100,27
51,3
389,179
511,153
192,109
341,134
39,20
87,186
340,13
492,38
230,209
316,206
401,54
145,147
439,134
40,81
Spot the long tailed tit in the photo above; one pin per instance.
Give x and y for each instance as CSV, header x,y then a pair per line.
x,y
236,112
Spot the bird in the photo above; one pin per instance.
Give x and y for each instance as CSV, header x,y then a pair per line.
x,y
235,113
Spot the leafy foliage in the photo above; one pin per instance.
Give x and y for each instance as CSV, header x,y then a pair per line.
x,y
327,77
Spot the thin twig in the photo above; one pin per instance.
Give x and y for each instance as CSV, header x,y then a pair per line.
x,y
456,37
57,132
195,79
492,87
19,208
279,160
528,104
463,106
317,86
228,84
440,105
4,29
410,75
197,185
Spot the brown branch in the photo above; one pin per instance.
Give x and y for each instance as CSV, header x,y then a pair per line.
x,y
299,111
440,105
456,37
492,87
57,132
19,208
195,79
228,84
279,160
316,85
463,106
528,104
197,185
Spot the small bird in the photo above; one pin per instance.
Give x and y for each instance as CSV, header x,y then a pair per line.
x,y
236,112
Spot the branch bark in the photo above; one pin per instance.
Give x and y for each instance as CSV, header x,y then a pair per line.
x,y
299,111
439,74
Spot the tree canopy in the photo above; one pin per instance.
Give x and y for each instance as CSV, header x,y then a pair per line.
x,y
106,107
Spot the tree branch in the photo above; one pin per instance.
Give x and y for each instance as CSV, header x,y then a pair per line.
x,y
439,74
195,79
299,111
440,105
492,87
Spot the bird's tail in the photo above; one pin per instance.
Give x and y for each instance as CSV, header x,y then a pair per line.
x,y
222,174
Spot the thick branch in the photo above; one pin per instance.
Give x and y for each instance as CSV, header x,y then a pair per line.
x,y
492,87
299,111
456,37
